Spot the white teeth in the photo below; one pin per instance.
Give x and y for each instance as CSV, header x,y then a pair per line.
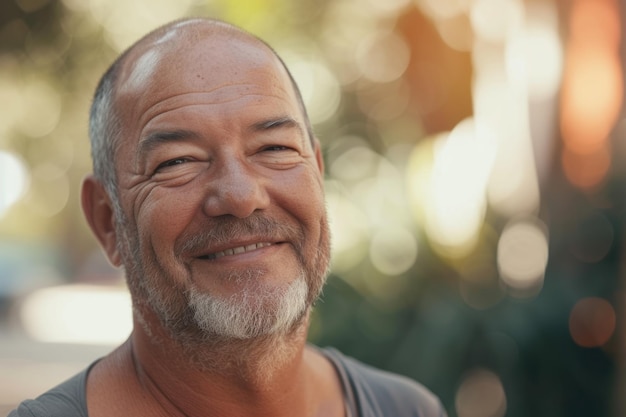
x,y
239,249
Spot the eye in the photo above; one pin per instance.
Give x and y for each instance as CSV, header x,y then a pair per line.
x,y
171,163
275,148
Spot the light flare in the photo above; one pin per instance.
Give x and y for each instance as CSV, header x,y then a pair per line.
x,y
14,180
81,314
450,192
592,322
591,98
523,256
481,394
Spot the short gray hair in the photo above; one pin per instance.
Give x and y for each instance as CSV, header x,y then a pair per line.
x,y
105,131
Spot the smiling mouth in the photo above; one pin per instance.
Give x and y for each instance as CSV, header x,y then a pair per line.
x,y
236,251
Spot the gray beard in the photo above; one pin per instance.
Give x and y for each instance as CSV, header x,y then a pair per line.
x,y
253,312
194,317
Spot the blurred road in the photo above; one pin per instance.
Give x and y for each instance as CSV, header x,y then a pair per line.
x,y
28,367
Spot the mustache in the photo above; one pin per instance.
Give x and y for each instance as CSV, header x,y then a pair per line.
x,y
221,230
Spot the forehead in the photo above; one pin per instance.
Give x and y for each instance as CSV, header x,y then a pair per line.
x,y
207,54
176,65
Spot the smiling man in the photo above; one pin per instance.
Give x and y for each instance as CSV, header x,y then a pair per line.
x,y
208,190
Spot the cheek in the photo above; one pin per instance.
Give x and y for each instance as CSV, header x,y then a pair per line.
x,y
303,198
164,215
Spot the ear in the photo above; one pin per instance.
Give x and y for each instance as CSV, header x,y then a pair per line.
x,y
98,211
317,148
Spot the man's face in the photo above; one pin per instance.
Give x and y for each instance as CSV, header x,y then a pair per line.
x,y
223,231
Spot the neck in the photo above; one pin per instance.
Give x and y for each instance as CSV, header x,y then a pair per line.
x,y
265,376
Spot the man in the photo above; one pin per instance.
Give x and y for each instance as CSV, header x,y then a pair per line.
x,y
208,190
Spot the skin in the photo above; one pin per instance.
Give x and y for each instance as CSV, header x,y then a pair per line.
x,y
212,130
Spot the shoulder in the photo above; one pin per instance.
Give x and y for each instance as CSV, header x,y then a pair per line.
x,y
381,393
65,400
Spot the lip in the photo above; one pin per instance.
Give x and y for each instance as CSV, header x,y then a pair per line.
x,y
236,250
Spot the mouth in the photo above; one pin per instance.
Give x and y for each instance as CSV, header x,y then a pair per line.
x,y
236,250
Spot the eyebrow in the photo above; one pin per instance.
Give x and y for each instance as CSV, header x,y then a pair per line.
x,y
153,140
277,123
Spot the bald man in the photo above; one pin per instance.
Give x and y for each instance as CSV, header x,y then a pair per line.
x,y
208,190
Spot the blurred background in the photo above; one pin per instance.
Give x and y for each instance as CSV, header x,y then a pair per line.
x,y
475,177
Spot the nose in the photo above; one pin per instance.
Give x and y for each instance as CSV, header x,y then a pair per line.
x,y
236,190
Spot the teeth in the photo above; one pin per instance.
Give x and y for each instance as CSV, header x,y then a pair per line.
x,y
237,250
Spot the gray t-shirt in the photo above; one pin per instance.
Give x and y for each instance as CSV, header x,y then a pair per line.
x,y
369,392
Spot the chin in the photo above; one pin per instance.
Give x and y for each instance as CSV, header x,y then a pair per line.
x,y
264,310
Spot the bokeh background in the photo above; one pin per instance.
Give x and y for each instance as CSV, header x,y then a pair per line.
x,y
476,171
